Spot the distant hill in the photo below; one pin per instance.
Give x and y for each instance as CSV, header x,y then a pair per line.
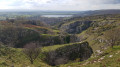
x,y
99,12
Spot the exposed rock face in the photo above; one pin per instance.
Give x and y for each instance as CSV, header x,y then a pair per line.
x,y
76,27
72,52
77,50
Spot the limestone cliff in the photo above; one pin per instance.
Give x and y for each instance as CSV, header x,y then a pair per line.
x,y
76,27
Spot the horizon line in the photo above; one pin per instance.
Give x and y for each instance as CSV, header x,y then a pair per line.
x,y
30,10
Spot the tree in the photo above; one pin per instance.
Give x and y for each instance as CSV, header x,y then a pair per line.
x,y
112,36
32,51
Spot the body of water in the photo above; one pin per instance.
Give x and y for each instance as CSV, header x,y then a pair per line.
x,y
57,15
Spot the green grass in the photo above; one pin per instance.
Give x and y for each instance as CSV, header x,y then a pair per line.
x,y
14,56
50,48
48,35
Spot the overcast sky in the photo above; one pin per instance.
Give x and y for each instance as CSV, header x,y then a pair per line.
x,y
66,5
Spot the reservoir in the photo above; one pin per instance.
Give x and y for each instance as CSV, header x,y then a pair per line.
x,y
55,16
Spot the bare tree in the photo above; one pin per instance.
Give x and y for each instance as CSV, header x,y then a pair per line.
x,y
112,36
32,51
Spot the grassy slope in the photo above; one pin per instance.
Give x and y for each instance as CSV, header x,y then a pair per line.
x,y
107,61
12,56
15,56
50,48
94,33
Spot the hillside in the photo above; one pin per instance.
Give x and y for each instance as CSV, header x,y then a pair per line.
x,y
109,57
75,42
17,58
92,28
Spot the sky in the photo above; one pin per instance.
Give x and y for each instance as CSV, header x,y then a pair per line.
x,y
60,5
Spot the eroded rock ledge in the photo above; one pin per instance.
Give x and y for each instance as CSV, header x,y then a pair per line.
x,y
63,55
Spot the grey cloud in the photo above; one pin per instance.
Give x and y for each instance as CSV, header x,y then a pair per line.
x,y
116,2
111,1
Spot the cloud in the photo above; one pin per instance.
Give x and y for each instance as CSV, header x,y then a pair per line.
x,y
60,4
112,1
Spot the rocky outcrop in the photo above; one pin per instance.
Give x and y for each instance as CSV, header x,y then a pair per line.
x,y
76,27
81,51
